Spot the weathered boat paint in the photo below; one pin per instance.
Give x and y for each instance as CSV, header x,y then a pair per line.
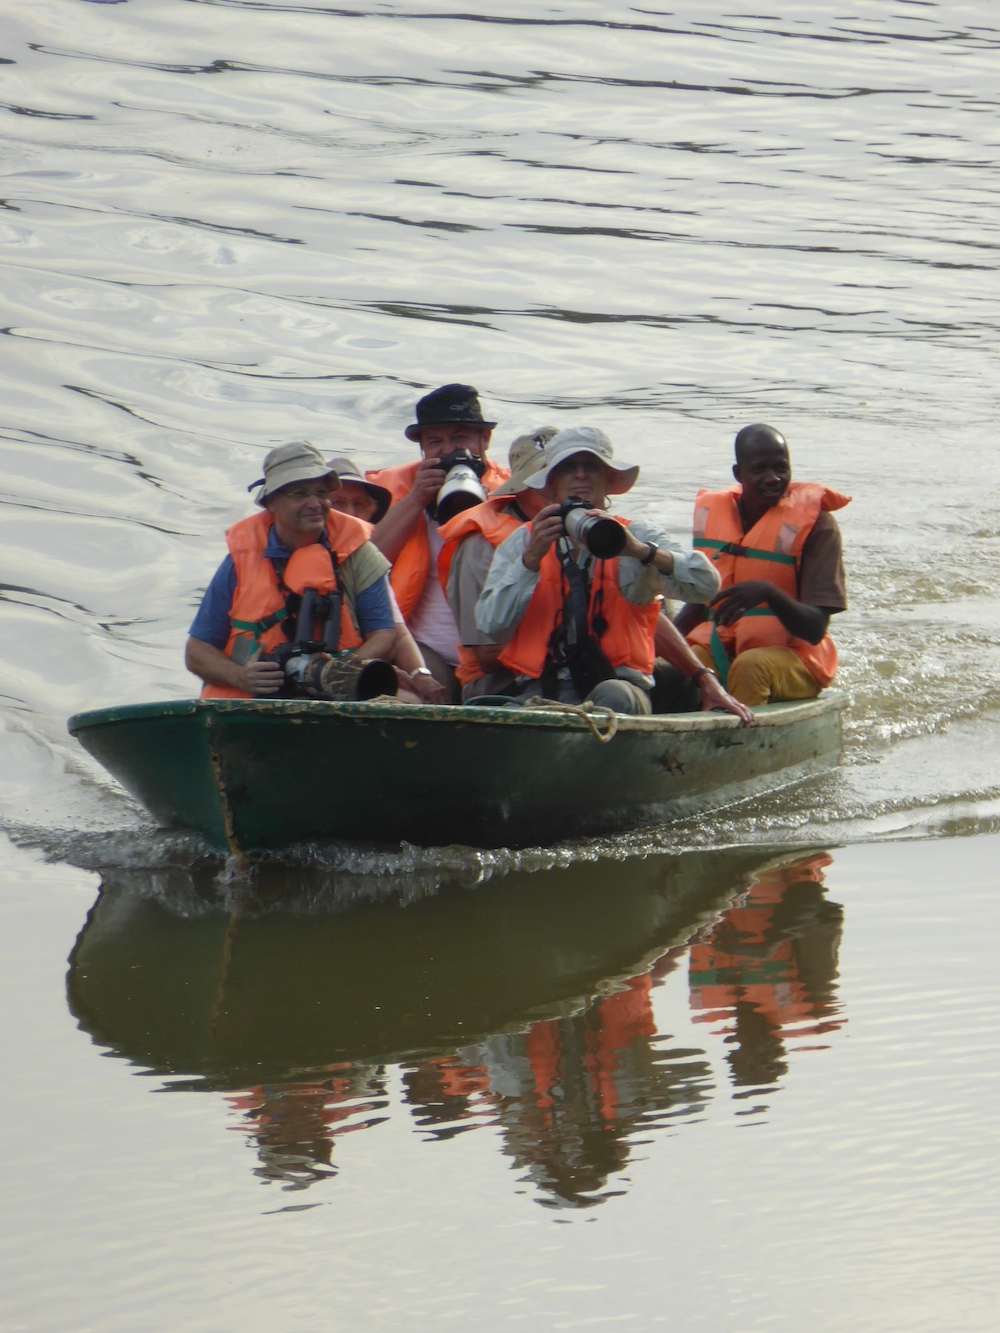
x,y
254,775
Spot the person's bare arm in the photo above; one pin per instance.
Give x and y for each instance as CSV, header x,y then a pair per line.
x,y
690,615
804,621
671,645
215,668
380,643
391,534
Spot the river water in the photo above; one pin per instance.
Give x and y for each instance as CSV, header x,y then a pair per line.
x,y
733,1073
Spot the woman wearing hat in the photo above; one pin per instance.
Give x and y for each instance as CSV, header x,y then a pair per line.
x,y
363,499
296,538
582,626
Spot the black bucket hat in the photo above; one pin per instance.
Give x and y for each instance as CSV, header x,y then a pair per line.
x,y
455,403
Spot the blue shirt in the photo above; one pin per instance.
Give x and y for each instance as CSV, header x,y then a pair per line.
x,y
211,623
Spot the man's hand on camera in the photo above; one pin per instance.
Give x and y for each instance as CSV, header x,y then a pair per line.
x,y
546,527
428,481
262,678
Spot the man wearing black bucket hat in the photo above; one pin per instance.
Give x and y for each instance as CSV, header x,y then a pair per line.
x,y
449,420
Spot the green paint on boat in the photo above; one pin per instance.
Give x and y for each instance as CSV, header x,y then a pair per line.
x,y
255,775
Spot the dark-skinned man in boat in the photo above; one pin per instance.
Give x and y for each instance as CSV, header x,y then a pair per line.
x,y
777,548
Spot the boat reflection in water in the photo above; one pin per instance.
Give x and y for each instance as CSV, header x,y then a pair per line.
x,y
525,1004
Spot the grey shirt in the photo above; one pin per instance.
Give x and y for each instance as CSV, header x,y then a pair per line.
x,y
470,566
510,584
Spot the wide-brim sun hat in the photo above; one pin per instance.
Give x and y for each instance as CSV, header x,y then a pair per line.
x,y
289,463
347,472
526,457
585,440
452,404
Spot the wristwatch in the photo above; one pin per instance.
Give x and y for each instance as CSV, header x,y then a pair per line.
x,y
421,671
651,555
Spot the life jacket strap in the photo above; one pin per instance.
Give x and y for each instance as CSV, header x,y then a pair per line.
x,y
258,627
734,548
718,649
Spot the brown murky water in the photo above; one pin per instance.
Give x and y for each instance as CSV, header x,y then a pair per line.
x,y
732,1074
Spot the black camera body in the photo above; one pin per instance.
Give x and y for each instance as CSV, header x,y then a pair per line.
x,y
603,537
461,488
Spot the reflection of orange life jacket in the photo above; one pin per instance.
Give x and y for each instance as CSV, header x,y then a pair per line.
x,y
771,551
259,601
494,522
627,641
720,978
413,564
614,1023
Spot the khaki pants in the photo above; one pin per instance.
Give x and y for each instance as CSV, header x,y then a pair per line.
x,y
765,676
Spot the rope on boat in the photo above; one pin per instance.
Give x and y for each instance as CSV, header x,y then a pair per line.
x,y
593,714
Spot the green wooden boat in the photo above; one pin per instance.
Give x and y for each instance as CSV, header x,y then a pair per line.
x,y
255,775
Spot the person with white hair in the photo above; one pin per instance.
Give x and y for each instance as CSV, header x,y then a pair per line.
x,y
580,600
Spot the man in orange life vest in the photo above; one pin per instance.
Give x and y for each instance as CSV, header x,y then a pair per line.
x,y
778,550
470,538
294,542
583,626
448,418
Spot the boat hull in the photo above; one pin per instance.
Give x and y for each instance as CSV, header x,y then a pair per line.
x,y
256,775
259,775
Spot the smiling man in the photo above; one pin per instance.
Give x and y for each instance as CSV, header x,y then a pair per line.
x,y
448,418
778,550
296,541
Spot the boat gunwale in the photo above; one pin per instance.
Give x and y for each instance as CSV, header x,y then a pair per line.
x,y
770,715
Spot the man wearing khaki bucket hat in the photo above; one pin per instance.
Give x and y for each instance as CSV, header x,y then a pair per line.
x,y
578,591
470,538
295,540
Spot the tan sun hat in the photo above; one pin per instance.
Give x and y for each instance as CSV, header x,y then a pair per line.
x,y
584,440
298,461
347,471
526,457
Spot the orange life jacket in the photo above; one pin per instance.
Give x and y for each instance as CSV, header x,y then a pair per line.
x,y
627,641
771,551
259,600
492,520
413,564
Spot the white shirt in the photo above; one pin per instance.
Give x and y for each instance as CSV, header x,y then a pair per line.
x,y
431,621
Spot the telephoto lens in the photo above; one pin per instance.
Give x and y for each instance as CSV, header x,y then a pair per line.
x,y
461,488
602,537
322,676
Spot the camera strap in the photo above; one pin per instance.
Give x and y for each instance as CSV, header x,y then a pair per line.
x,y
574,642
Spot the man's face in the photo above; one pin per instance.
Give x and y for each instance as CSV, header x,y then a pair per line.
x,y
764,474
300,509
436,441
354,500
582,475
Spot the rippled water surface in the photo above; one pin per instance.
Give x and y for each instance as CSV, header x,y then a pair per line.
x,y
227,223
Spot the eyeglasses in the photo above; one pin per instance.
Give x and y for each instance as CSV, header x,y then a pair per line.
x,y
319,492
